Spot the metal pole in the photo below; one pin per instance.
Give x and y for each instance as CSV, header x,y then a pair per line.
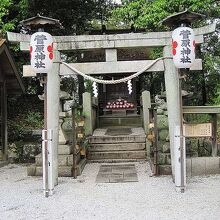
x,y
53,88
50,161
45,143
45,151
74,142
155,142
47,136
214,135
182,147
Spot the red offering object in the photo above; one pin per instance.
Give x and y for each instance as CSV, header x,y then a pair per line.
x,y
120,104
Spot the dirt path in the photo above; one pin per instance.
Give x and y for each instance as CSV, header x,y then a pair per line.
x,y
150,198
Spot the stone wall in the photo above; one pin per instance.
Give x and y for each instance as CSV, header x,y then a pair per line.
x,y
90,105
198,147
163,147
198,150
202,166
25,121
25,150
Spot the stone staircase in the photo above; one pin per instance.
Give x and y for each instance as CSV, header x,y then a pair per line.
x,y
65,162
131,120
121,147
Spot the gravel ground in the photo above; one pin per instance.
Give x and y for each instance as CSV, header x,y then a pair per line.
x,y
21,197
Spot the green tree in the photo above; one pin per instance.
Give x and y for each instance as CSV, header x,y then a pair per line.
x,y
4,11
11,13
143,13
148,14
75,15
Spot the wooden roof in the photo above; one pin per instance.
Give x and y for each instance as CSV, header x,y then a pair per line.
x,y
8,70
41,22
184,17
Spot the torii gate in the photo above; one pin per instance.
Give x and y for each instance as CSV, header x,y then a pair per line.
x,y
111,43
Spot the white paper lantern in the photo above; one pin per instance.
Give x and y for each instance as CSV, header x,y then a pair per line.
x,y
183,45
41,52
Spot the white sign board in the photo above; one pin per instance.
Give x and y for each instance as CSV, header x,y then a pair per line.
x,y
198,130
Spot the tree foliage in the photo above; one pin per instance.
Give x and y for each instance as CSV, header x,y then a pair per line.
x,y
75,15
141,13
78,15
4,11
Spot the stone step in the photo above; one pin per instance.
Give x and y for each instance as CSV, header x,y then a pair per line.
x,y
120,121
116,147
116,139
63,160
115,160
117,155
64,149
164,170
63,171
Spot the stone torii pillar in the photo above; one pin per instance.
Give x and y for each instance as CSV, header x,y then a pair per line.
x,y
173,102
